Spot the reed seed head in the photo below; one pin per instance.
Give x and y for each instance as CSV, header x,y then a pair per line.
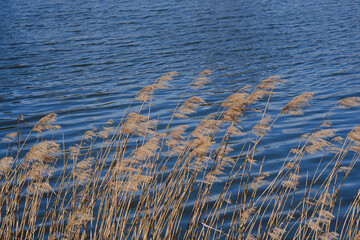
x,y
139,125
257,95
38,171
296,105
292,181
145,94
163,81
6,164
189,106
90,134
245,215
329,236
175,136
269,83
259,180
201,79
9,137
74,152
45,123
147,150
235,131
325,199
325,216
317,140
314,225
105,132
234,99
43,152
277,233
354,135
250,237
349,102
39,187
262,126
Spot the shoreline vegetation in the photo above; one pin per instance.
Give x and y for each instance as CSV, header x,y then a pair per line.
x,y
134,180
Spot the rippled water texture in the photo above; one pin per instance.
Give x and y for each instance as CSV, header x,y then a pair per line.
x,y
85,60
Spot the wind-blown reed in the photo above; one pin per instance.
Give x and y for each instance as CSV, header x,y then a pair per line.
x,y
135,180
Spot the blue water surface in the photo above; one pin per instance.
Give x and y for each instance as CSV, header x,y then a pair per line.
x,y
86,60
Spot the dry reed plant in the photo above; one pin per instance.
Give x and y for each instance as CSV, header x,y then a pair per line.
x,y
136,180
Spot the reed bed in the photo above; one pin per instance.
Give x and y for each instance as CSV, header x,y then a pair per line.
x,y
133,179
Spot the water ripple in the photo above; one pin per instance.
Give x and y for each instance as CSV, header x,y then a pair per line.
x,y
85,60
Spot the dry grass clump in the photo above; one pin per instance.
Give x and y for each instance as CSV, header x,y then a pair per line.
x,y
136,180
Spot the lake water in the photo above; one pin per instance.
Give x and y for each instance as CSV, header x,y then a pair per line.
x,y
85,61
